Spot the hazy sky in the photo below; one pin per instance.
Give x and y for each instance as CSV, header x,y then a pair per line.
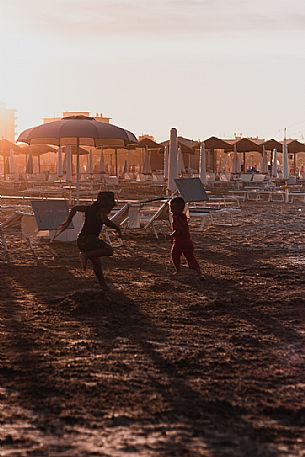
x,y
207,67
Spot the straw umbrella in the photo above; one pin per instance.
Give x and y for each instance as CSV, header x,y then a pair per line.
x,y
29,163
202,164
244,145
6,147
166,162
78,130
172,161
68,163
285,162
211,144
146,162
270,145
36,150
264,164
274,163
101,167
180,163
294,147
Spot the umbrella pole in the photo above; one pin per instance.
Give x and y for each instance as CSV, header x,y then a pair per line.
x,y
77,171
38,160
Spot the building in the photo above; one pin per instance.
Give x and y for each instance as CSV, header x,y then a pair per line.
x,y
7,123
99,117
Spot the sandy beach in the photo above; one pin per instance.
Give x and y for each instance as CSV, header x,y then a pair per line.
x,y
161,366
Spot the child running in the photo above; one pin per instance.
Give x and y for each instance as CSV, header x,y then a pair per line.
x,y
181,238
90,245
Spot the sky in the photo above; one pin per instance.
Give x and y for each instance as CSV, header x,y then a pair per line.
x,y
206,67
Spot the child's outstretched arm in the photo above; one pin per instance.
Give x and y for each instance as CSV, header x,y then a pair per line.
x,y
72,213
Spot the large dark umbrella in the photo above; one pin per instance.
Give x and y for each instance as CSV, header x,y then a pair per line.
x,y
6,148
294,147
245,145
214,143
35,150
78,130
271,145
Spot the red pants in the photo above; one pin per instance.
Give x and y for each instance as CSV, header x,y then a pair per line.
x,y
187,249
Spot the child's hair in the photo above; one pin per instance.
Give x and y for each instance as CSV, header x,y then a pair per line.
x,y
178,203
106,199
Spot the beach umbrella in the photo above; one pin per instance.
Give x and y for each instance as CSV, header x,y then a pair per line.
x,y
90,162
30,163
214,143
166,162
172,161
78,130
59,163
274,163
246,145
68,164
6,166
285,162
180,163
264,164
146,162
7,146
101,167
202,165
235,167
12,162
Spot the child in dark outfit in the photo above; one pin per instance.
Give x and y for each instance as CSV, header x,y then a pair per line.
x,y
181,238
90,245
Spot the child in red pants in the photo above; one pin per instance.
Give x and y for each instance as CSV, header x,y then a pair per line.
x,y
181,238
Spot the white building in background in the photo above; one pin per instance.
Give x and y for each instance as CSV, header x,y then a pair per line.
x,y
7,123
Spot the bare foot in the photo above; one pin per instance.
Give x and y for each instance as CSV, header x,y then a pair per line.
x,y
83,260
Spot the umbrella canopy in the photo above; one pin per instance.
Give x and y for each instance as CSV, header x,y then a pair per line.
x,y
73,150
78,130
186,145
214,143
146,143
269,145
7,146
294,146
246,145
36,149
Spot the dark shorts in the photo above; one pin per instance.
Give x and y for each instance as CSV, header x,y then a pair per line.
x,y
90,243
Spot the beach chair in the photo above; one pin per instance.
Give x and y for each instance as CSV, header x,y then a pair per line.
x,y
12,224
49,214
120,218
161,218
192,191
